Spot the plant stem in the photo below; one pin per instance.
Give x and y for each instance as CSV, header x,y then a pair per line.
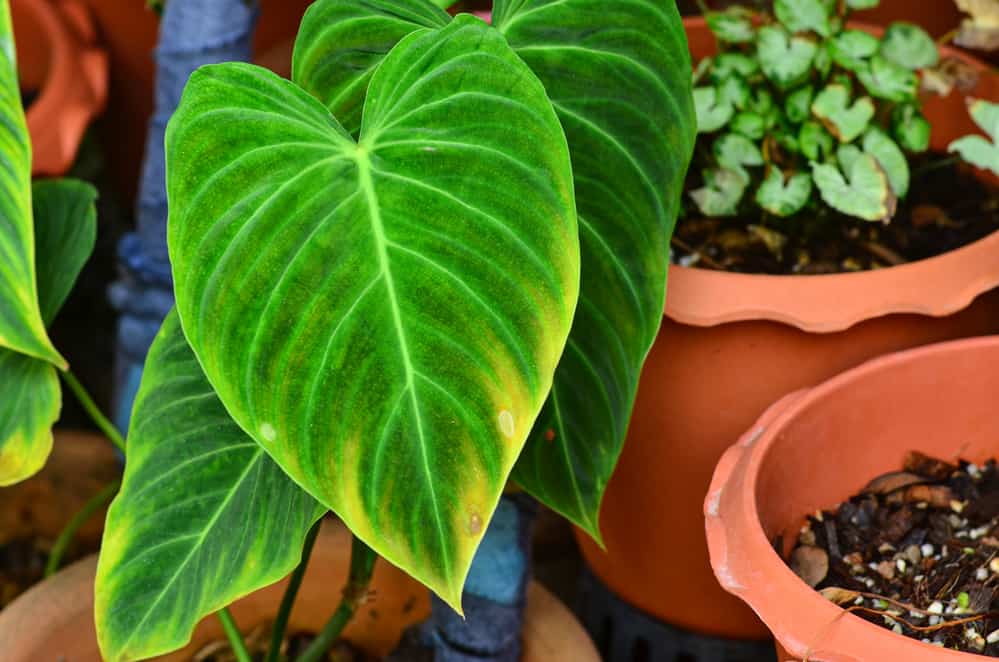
x,y
290,593
234,635
362,565
106,426
94,504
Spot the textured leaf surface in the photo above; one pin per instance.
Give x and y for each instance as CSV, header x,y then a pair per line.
x,y
785,60
890,156
204,515
784,198
341,42
65,234
618,75
976,150
384,317
843,119
21,326
29,405
908,45
803,15
722,191
863,193
713,112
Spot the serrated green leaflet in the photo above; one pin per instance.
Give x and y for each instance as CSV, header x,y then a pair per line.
x,y
843,119
712,111
976,150
864,193
619,78
341,43
204,515
889,155
21,327
65,227
785,60
803,15
909,46
65,234
784,196
384,317
886,80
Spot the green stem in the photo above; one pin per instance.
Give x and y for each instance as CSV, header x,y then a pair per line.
x,y
234,635
362,565
288,601
94,504
106,426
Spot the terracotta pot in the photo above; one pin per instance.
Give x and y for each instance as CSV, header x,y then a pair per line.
x,y
54,621
730,345
816,448
58,60
129,29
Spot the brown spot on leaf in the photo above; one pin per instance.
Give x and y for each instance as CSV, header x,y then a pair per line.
x,y
474,524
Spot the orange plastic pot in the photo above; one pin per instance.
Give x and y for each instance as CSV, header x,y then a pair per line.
x,y
732,344
59,61
55,620
816,448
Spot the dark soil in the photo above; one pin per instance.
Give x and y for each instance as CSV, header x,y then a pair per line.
x,y
947,207
916,552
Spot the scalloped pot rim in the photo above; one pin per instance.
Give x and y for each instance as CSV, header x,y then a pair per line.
x,y
936,286
803,622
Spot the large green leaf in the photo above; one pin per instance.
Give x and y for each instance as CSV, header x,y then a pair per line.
x,y
65,234
21,326
204,515
619,77
341,43
384,317
65,227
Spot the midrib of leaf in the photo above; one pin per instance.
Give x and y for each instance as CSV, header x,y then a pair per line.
x,y
381,243
196,546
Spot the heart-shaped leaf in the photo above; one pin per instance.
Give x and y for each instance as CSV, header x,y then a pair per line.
x,y
910,128
803,15
864,193
21,327
814,141
798,104
385,316
722,191
785,60
631,57
204,515
843,120
749,124
729,64
890,156
341,43
909,46
734,25
976,150
734,90
734,151
886,80
784,196
850,49
713,112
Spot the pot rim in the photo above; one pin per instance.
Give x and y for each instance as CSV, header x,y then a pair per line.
x,y
935,287
801,620
75,88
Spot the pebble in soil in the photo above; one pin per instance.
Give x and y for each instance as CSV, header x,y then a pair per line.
x,y
916,552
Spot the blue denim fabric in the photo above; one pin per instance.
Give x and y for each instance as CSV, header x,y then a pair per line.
x,y
192,33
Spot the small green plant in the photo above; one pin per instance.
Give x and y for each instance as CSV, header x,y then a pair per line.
x,y
799,111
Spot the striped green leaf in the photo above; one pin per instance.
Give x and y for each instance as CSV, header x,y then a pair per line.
x,y
342,42
618,75
383,316
21,326
65,224
203,518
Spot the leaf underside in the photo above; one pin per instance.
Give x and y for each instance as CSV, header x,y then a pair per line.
x,y
203,518
384,316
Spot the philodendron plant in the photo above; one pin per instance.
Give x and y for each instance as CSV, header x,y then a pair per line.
x,y
431,262
799,112
47,233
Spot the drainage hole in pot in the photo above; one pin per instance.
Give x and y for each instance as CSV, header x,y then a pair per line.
x,y
915,552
